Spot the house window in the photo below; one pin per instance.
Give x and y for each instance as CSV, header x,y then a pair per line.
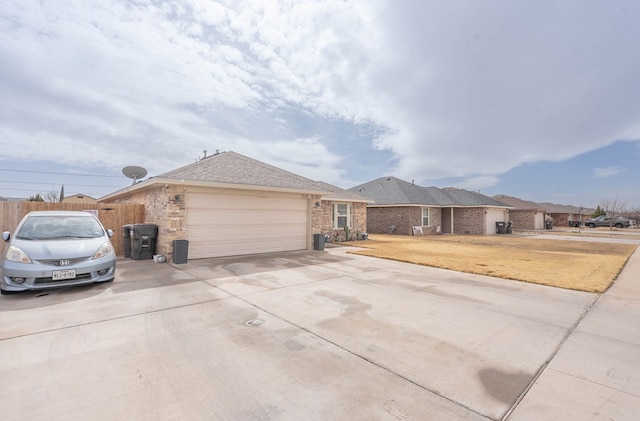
x,y
341,215
425,217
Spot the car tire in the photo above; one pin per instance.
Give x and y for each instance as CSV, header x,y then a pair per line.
x,y
591,225
618,225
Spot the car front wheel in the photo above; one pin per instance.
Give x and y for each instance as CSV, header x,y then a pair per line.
x,y
618,225
591,225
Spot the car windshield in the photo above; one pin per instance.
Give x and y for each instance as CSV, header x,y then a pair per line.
x,y
57,227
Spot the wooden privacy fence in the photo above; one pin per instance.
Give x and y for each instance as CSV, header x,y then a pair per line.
x,y
113,216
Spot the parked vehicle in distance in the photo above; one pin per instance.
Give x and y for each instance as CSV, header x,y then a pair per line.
x,y
53,249
605,221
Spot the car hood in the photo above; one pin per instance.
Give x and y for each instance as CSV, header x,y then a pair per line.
x,y
58,249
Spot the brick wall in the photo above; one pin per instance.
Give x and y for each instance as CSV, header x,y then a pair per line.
x,y
164,207
322,220
404,218
469,221
523,219
381,220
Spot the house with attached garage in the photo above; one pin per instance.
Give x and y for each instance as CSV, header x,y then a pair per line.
x,y
228,204
524,214
532,215
400,207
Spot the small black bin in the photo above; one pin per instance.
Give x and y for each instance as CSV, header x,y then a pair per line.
x,y
126,233
549,225
501,227
509,227
143,241
318,241
180,251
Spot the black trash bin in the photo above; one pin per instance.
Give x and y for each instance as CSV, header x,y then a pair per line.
x,y
509,227
549,225
501,227
180,251
143,241
318,241
126,234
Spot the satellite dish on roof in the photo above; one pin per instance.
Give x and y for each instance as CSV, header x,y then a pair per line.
x,y
134,172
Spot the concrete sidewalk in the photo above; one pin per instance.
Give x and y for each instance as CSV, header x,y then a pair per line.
x,y
318,336
595,374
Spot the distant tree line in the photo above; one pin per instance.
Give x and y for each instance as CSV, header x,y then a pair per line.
x,y
48,197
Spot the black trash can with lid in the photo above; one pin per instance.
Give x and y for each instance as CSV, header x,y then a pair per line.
x,y
509,227
180,251
501,227
549,225
143,241
318,241
126,234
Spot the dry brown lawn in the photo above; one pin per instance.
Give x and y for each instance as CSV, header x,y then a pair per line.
x,y
579,265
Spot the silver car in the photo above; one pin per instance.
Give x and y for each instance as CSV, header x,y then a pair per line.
x,y
54,249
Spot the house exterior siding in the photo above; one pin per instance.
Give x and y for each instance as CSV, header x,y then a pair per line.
x,y
379,220
322,219
525,219
469,221
164,207
562,219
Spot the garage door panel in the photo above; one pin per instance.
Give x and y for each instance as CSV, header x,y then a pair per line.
x,y
228,224
205,249
248,218
240,203
493,216
230,233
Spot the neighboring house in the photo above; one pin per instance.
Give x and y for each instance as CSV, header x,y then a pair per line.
x,y
79,198
400,207
525,214
228,204
562,214
532,215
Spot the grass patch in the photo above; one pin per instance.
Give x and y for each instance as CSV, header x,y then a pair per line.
x,y
579,265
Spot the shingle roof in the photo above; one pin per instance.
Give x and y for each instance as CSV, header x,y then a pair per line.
x,y
394,191
234,168
340,194
520,204
556,208
472,198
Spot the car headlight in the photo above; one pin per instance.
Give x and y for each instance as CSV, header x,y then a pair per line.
x,y
16,254
104,250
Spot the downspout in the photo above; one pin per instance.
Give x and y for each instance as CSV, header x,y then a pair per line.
x,y
310,222
452,220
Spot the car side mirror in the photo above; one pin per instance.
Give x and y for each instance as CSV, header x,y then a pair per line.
x,y
110,233
6,235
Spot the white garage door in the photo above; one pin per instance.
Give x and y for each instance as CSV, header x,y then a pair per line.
x,y
223,223
493,216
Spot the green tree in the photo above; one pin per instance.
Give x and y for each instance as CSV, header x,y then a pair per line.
x,y
598,212
36,198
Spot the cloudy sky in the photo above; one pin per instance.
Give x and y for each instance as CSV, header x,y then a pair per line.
x,y
534,99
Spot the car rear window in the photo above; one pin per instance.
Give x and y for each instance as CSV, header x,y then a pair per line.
x,y
59,227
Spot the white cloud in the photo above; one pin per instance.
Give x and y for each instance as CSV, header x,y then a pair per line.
x,y
479,183
606,172
450,91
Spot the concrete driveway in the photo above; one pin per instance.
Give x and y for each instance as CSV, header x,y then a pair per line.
x,y
317,336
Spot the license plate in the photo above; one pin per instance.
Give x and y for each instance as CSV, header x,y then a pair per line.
x,y
63,274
